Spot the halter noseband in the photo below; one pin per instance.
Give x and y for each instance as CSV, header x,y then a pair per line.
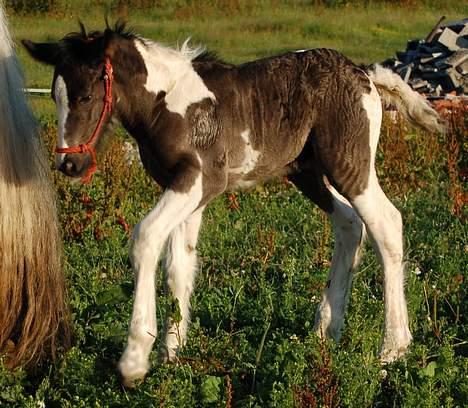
x,y
88,147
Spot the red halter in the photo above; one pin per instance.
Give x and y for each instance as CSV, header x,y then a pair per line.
x,y
88,147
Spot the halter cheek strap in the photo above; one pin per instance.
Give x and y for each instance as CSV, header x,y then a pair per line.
x,y
89,146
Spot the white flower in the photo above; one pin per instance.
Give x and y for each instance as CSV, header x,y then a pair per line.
x,y
294,338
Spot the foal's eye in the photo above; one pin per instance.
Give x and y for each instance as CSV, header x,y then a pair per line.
x,y
85,99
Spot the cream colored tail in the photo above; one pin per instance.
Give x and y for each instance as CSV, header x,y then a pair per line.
x,y
34,319
414,107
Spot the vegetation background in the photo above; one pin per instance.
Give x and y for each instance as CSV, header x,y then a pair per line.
x,y
264,254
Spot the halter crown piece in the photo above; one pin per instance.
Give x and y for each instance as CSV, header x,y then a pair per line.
x,y
89,146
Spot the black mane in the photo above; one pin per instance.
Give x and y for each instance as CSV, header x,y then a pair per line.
x,y
88,46
209,59
79,44
120,28
208,56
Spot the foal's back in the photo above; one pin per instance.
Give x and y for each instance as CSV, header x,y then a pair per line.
x,y
281,113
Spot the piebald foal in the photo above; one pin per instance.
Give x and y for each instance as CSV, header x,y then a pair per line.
x,y
204,126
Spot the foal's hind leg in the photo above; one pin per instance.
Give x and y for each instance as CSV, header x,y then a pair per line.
x,y
181,267
384,225
350,164
349,234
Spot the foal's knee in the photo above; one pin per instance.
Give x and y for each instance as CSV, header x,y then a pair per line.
x,y
144,246
393,239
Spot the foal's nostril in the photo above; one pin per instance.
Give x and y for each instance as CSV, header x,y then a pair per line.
x,y
68,167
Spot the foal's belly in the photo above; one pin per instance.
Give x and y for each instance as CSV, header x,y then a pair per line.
x,y
253,161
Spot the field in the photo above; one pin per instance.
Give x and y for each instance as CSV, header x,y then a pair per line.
x,y
264,254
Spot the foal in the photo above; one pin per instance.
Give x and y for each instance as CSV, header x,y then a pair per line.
x,y
204,126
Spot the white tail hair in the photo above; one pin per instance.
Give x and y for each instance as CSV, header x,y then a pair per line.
x,y
414,107
34,318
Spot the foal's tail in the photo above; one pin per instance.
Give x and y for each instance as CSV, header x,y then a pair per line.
x,y
394,91
34,318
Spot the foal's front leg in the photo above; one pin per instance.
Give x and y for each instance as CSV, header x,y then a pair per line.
x,y
148,240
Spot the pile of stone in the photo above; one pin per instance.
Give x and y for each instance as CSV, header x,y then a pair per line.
x,y
438,65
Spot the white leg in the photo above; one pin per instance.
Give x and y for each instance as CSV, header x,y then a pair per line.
x,y
148,240
349,234
181,267
384,225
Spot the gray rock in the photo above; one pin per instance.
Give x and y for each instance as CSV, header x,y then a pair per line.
x,y
449,38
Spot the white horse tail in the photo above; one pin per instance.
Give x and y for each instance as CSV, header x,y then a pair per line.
x,y
34,318
414,107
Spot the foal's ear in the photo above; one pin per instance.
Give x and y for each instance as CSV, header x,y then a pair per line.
x,y
47,53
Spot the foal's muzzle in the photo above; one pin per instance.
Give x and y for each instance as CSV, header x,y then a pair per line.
x,y
68,167
74,166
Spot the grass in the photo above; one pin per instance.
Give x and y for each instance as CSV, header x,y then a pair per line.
x,y
241,31
252,29
264,254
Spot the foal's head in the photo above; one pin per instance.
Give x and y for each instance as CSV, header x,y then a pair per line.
x,y
80,87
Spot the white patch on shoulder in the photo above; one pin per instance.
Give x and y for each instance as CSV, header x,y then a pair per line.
x,y
158,74
251,156
299,51
63,109
171,71
373,106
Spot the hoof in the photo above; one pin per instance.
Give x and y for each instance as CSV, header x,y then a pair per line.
x,y
130,381
388,356
328,330
130,377
166,355
394,348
